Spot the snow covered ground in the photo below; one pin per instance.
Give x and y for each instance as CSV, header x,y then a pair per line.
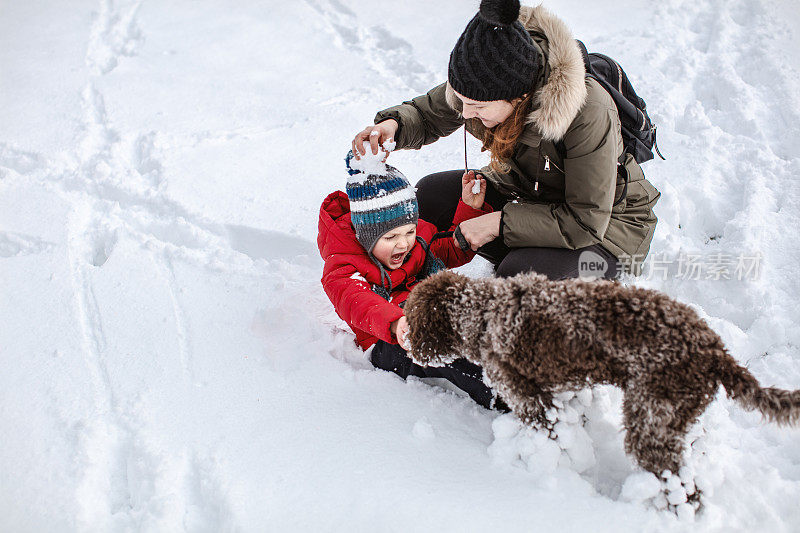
x,y
168,360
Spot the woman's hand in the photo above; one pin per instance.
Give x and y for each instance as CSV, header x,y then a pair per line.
x,y
376,135
471,182
399,329
480,230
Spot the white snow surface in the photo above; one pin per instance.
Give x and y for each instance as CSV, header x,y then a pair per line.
x,y
168,359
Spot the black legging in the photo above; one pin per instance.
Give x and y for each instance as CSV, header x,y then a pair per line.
x,y
438,196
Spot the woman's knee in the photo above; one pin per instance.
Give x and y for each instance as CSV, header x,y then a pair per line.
x,y
438,195
555,263
551,262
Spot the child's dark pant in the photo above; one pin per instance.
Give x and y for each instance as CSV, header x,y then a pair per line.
x,y
438,196
461,373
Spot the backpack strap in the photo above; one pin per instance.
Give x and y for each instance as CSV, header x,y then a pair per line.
x,y
562,148
585,54
621,169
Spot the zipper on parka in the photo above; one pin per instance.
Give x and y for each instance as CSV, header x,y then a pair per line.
x,y
547,164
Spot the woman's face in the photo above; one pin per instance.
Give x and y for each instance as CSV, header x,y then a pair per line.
x,y
489,113
393,247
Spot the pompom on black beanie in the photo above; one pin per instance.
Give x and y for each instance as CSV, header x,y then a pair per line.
x,y
495,58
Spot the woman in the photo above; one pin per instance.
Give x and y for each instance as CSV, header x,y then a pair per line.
x,y
516,81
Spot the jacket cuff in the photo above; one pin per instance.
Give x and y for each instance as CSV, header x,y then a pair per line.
x,y
383,116
465,212
386,331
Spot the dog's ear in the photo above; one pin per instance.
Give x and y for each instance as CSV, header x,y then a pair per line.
x,y
433,336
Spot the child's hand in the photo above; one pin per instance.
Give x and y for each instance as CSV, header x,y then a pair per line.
x,y
471,182
400,330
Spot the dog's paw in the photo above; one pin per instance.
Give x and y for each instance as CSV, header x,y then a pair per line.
x,y
680,492
641,487
677,493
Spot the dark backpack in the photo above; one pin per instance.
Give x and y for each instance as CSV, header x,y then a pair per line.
x,y
638,132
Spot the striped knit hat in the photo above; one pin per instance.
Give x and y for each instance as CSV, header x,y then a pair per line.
x,y
381,199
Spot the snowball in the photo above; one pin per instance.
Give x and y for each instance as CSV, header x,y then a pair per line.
x,y
577,405
686,474
369,163
358,277
585,397
547,455
677,496
673,483
565,396
660,501
595,411
640,486
569,415
527,443
685,512
505,426
704,484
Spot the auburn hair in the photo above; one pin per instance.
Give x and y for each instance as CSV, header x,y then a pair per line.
x,y
501,139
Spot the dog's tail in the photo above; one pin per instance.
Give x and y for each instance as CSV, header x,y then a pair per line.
x,y
778,405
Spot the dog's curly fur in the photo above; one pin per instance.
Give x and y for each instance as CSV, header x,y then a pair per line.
x,y
535,337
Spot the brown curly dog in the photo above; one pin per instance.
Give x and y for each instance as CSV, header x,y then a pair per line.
x,y
535,337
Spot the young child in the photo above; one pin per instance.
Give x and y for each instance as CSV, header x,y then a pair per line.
x,y
376,249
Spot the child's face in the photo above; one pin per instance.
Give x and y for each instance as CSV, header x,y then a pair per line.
x,y
393,247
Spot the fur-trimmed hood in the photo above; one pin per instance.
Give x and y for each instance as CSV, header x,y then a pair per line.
x,y
563,93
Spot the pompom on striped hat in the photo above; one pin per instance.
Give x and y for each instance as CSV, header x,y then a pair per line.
x,y
381,199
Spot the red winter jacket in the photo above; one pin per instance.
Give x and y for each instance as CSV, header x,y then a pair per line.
x,y
349,273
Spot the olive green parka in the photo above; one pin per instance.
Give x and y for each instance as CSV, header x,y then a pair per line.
x,y
555,200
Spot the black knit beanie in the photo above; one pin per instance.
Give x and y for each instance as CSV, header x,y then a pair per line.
x,y
495,58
